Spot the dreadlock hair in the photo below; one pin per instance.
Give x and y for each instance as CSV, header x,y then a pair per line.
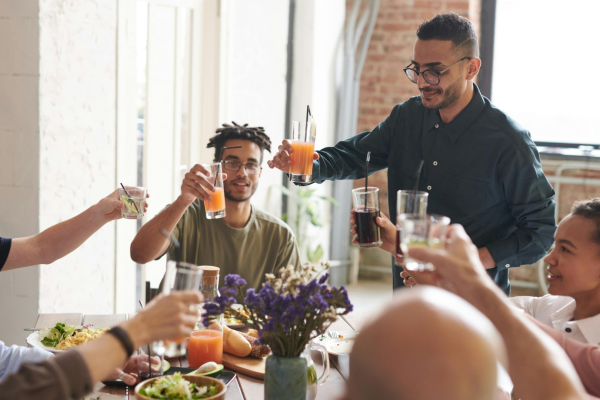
x,y
235,131
589,209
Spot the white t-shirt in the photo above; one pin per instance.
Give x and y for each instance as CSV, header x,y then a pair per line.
x,y
557,312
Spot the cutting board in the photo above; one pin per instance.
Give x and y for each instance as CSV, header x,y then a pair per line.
x,y
254,367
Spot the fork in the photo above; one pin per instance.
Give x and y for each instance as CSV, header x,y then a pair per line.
x,y
333,334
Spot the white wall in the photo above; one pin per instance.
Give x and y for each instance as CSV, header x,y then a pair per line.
x,y
253,78
18,159
77,145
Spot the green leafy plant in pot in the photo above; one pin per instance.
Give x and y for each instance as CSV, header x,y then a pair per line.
x,y
307,213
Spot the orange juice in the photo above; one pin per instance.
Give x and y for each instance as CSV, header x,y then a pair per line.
x,y
218,200
302,158
205,345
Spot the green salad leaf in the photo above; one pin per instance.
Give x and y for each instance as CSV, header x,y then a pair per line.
x,y
57,334
175,387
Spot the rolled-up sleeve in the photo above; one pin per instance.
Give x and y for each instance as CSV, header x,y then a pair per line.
x,y
347,159
65,376
530,198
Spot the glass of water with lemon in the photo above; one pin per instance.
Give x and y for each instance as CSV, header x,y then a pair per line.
x,y
422,231
134,201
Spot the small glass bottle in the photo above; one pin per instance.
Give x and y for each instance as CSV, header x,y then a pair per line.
x,y
206,342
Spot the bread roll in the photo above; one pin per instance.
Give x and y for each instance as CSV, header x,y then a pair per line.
x,y
234,343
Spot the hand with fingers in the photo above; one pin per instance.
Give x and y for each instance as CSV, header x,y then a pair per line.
x,y
281,160
388,232
197,184
458,266
165,317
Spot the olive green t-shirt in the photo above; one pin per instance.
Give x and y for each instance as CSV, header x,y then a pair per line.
x,y
263,246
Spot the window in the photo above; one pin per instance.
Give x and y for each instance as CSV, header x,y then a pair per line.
x,y
546,57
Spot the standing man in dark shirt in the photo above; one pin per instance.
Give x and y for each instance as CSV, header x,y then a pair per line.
x,y
481,168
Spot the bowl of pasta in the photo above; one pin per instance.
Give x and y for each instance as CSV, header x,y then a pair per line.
x,y
64,337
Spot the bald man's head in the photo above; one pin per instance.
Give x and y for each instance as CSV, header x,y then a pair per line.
x,y
427,344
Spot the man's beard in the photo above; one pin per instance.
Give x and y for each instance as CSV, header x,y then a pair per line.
x,y
230,196
451,94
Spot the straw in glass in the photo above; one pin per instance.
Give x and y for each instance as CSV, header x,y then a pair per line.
x,y
417,185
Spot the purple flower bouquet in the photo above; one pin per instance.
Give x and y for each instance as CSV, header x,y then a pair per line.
x,y
289,311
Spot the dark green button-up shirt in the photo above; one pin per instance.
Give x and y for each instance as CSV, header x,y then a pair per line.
x,y
482,170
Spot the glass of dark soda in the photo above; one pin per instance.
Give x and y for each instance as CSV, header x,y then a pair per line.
x,y
366,209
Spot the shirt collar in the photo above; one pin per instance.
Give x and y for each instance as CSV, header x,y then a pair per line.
x,y
563,314
462,122
590,327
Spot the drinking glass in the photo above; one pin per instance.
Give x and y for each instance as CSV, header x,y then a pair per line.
x,y
366,209
206,342
147,370
215,208
415,233
438,232
133,207
303,144
405,204
179,276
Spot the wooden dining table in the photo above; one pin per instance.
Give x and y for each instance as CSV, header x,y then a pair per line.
x,y
243,387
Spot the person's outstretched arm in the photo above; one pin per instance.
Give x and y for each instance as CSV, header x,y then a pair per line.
x,y
73,374
149,244
538,367
61,239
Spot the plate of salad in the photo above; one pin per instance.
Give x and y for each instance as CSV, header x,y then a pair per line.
x,y
177,387
63,336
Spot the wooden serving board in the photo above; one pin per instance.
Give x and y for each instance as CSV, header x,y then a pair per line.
x,y
251,366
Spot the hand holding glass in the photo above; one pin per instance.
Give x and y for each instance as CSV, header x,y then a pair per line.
x,y
179,276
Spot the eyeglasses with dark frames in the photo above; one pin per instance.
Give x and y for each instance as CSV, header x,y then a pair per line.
x,y
431,76
234,166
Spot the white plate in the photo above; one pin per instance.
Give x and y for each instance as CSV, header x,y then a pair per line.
x,y
34,341
340,346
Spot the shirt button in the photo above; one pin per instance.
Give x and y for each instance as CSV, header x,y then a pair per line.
x,y
507,265
435,163
437,125
568,330
428,187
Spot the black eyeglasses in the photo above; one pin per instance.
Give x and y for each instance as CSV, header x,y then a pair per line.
x,y
251,168
431,76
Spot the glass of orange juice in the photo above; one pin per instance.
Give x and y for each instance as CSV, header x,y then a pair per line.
x,y
303,144
206,345
179,276
215,208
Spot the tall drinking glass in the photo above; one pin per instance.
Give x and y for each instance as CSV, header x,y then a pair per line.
x,y
134,201
438,232
206,342
179,276
405,204
414,233
366,209
303,144
215,208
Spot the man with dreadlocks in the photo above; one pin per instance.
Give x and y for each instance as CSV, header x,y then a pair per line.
x,y
247,241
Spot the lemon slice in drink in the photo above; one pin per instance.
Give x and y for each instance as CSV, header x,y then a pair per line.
x,y
129,204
